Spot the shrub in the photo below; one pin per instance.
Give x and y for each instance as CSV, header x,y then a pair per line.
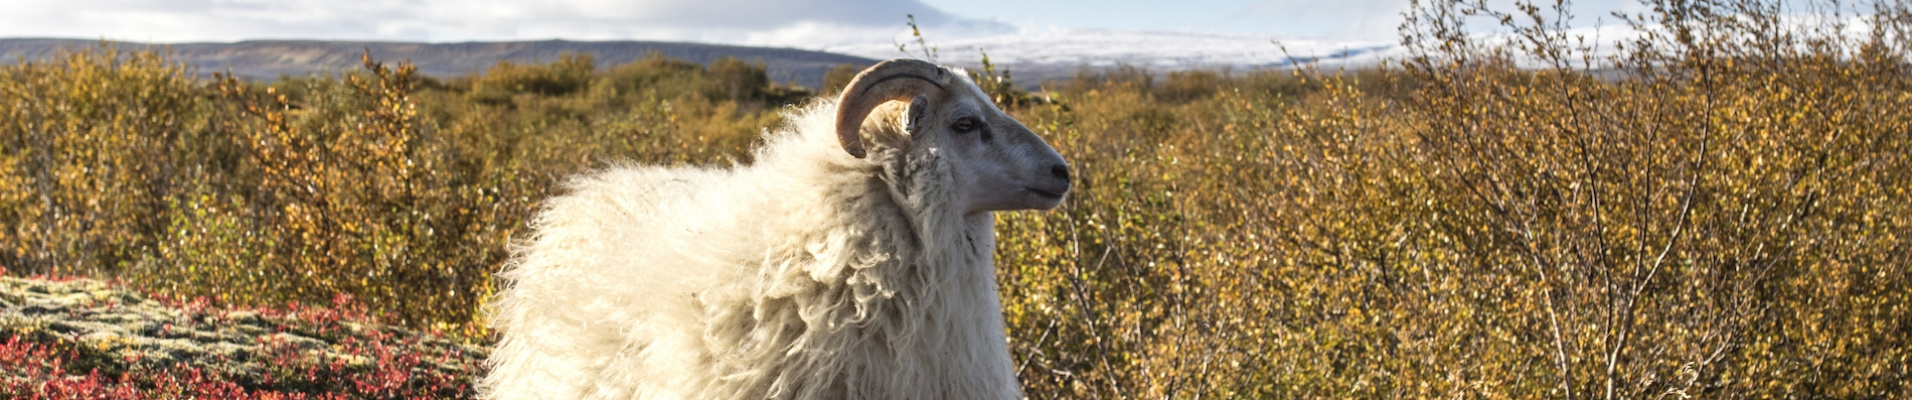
x,y
571,73
123,165
1184,86
1722,220
87,151
838,77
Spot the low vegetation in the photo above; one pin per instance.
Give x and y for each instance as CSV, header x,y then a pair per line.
x,y
86,339
1718,208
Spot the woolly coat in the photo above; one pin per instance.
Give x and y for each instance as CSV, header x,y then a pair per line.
x,y
808,275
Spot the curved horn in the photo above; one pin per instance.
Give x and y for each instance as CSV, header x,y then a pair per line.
x,y
899,79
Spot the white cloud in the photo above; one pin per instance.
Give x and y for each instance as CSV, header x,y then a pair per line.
x,y
803,23
1380,19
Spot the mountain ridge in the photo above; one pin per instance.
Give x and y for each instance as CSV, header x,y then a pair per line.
x,y
269,59
1035,56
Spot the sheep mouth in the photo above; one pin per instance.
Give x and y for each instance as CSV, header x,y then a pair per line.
x,y
1044,194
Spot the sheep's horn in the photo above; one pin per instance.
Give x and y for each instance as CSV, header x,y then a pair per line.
x,y
899,79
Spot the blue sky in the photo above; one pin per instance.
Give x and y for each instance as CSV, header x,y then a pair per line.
x,y
794,23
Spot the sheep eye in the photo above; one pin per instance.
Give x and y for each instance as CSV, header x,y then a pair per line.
x,y
964,125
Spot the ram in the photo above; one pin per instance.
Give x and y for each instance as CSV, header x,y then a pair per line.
x,y
852,260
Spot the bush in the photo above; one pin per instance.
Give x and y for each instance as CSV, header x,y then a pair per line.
x,y
87,148
122,165
571,73
1187,86
1723,220
838,77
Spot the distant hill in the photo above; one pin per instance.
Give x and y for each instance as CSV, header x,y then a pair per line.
x,y
268,59
1048,54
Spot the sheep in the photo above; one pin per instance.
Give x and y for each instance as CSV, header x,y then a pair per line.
x,y
825,270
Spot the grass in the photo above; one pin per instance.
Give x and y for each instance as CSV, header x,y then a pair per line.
x,y
1718,210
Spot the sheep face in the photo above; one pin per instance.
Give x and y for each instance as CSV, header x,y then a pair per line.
x,y
998,163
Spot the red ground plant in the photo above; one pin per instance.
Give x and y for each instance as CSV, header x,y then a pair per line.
x,y
298,352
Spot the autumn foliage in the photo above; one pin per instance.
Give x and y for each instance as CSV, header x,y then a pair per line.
x,y
1718,207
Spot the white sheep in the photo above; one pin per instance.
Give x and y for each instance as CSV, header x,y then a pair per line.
x,y
812,274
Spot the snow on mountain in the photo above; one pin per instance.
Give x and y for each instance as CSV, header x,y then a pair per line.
x,y
1069,49
1036,55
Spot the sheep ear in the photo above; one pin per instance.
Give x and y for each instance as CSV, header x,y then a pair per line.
x,y
884,82
919,107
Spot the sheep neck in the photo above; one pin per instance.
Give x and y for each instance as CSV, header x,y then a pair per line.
x,y
905,302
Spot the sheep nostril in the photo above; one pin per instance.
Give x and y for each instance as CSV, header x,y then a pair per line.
x,y
1060,171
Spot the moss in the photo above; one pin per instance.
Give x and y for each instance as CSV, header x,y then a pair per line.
x,y
135,339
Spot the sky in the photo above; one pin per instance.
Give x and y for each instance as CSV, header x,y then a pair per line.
x,y
811,24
